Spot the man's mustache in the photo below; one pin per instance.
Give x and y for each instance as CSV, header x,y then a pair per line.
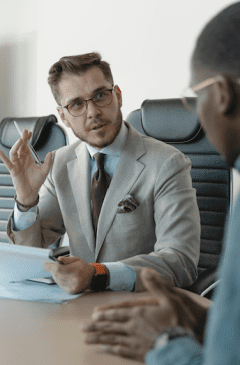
x,y
96,123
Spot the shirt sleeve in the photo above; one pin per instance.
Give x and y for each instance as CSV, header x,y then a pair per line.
x,y
181,351
23,220
222,339
223,330
122,277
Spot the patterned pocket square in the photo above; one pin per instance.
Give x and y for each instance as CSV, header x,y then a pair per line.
x,y
127,204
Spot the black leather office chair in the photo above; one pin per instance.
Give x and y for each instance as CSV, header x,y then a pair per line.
x,y
47,136
169,121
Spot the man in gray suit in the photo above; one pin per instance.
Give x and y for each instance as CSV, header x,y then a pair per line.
x,y
124,199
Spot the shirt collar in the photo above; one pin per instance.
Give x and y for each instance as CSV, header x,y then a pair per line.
x,y
114,148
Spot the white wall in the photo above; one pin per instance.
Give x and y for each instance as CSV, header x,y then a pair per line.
x,y
147,42
18,43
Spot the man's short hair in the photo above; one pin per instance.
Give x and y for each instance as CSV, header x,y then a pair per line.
x,y
218,46
76,65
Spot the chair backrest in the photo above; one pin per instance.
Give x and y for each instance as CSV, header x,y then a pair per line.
x,y
167,120
47,136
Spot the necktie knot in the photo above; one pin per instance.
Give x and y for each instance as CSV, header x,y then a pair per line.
x,y
99,158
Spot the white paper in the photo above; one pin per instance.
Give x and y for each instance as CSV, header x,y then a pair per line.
x,y
37,292
21,262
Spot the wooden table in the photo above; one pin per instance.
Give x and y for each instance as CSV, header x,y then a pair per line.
x,y
49,334
34,333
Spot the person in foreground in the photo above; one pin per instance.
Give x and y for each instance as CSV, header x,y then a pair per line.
x,y
125,200
170,328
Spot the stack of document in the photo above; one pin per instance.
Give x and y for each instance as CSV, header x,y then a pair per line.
x,y
18,264
34,291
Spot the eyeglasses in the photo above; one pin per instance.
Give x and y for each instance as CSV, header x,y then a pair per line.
x,y
79,107
189,95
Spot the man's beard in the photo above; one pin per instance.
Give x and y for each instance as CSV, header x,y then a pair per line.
x,y
116,130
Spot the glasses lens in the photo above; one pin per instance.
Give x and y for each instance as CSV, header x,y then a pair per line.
x,y
103,98
189,99
77,108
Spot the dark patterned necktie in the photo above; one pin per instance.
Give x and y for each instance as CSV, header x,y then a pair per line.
x,y
100,184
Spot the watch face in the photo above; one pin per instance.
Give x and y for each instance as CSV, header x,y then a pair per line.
x,y
99,282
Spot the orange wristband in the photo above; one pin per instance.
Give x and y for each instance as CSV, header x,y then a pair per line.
x,y
99,268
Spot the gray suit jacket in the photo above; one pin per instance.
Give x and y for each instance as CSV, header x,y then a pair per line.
x,y
163,232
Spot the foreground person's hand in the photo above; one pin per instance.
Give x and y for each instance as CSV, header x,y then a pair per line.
x,y
130,331
74,276
150,300
195,305
190,310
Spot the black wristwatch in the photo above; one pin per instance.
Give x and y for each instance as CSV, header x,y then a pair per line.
x,y
169,334
99,281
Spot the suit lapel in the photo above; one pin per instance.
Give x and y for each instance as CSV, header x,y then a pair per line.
x,y
79,176
126,174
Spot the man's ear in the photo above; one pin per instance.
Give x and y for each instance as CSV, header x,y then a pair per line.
x,y
62,116
119,95
226,96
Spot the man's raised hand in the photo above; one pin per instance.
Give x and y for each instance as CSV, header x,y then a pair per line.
x,y
26,175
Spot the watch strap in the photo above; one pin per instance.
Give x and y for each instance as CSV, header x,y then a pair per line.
x,y
169,334
99,268
99,281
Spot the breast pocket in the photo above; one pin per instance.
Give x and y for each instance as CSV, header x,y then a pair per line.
x,y
132,233
131,218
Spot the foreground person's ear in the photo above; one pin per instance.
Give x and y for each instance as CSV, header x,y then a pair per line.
x,y
226,95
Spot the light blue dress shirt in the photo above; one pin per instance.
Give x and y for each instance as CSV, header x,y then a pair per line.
x,y
222,342
122,277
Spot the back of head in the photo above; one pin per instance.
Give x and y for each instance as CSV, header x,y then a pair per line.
x,y
218,46
76,65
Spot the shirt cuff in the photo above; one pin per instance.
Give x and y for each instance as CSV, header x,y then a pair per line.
x,y
179,351
23,220
122,277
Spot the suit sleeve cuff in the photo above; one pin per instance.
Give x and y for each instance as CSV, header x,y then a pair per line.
x,y
122,277
23,220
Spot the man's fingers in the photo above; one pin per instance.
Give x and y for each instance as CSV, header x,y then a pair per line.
x,y
68,259
23,150
128,304
47,163
116,344
50,267
6,160
25,135
109,338
112,315
29,135
106,327
13,154
169,298
153,282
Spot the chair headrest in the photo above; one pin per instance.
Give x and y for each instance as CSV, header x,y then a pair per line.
x,y
169,121
9,134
